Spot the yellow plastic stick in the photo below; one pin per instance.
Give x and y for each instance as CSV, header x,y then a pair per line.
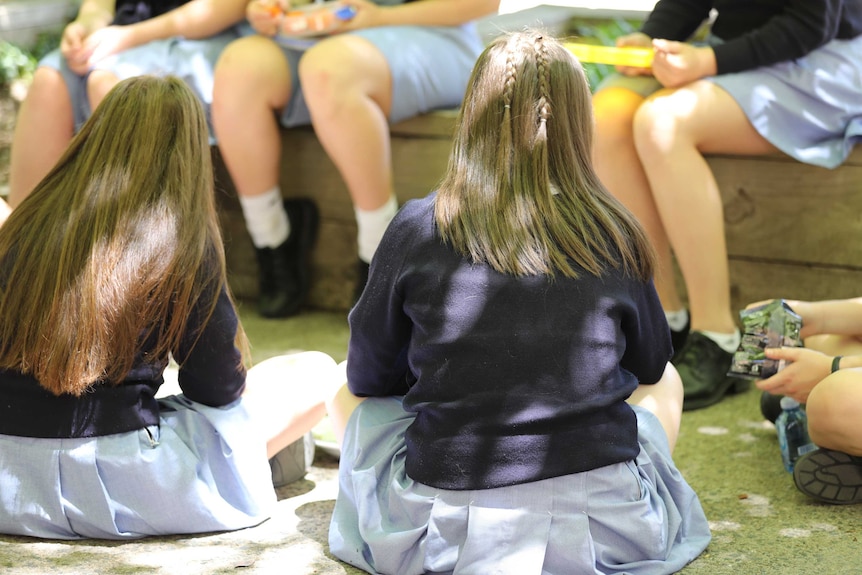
x,y
616,56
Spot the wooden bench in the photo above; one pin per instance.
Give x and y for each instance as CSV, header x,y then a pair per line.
x,y
793,230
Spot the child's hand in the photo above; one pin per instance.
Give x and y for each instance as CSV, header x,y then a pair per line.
x,y
101,44
266,15
72,44
806,368
366,15
638,40
677,63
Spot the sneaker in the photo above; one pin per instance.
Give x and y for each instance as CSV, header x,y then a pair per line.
x,y
829,476
293,462
362,269
703,365
285,274
770,405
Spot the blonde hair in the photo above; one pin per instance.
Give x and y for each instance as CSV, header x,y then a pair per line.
x,y
118,243
520,192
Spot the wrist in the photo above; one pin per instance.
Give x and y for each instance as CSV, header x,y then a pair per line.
x,y
708,63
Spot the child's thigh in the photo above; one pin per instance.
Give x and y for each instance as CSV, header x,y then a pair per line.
x,y
430,66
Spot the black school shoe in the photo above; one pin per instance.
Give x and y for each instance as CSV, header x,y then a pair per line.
x,y
829,476
284,271
770,405
703,366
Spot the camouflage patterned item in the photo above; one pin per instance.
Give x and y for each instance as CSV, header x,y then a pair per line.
x,y
773,324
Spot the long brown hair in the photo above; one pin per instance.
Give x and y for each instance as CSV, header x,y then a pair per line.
x,y
520,192
117,243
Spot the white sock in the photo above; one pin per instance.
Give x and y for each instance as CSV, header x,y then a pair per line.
x,y
729,342
265,218
677,320
372,224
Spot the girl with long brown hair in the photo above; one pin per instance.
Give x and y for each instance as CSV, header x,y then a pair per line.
x,y
112,266
509,405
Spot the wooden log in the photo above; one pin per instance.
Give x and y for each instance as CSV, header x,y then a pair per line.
x,y
793,230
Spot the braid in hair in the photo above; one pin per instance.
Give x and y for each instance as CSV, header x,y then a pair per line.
x,y
506,135
543,105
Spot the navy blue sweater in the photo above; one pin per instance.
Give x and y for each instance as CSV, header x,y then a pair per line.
x,y
758,32
211,373
512,379
132,11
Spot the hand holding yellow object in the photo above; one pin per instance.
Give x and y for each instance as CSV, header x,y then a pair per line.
x,y
633,56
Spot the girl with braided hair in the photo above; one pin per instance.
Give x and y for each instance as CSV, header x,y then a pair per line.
x,y
509,405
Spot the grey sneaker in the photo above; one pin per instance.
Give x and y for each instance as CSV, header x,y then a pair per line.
x,y
829,476
293,462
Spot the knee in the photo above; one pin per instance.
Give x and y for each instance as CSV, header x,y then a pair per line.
x,y
834,408
334,72
658,126
322,74
250,69
48,91
99,83
614,110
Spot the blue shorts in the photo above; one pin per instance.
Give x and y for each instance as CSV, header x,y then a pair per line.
x,y
639,517
810,108
430,67
191,60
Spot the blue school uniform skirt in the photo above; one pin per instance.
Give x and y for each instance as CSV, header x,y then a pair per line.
x,y
430,67
810,108
193,61
201,469
638,517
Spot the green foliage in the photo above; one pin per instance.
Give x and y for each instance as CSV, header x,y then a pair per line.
x,y
603,32
17,62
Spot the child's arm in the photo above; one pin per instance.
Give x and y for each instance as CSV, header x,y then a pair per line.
x,y
423,13
837,317
92,15
195,19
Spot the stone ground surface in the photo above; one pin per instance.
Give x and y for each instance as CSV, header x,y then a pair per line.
x,y
761,525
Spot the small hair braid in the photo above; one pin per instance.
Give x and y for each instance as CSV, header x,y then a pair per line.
x,y
543,105
509,81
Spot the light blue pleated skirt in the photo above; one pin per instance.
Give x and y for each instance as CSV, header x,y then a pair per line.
x,y
191,60
430,66
810,108
638,517
202,469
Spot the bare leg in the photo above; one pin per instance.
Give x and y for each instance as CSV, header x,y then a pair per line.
x,y
43,129
618,165
252,82
286,395
99,83
341,405
348,87
834,410
664,400
834,407
672,131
